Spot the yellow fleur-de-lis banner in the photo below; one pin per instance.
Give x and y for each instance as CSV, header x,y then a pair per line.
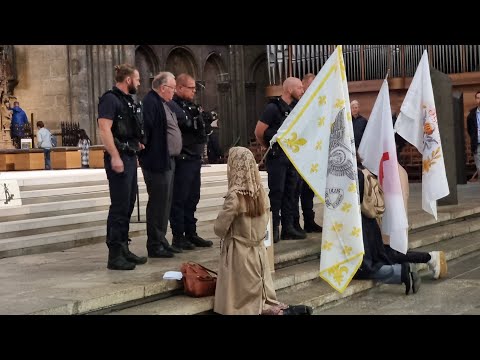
x,y
317,137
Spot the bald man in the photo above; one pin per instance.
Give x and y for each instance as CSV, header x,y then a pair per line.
x,y
358,121
282,175
306,194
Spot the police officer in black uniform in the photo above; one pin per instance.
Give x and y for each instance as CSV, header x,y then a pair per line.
x,y
121,130
282,175
187,181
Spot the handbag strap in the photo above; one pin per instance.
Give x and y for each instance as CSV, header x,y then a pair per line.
x,y
203,267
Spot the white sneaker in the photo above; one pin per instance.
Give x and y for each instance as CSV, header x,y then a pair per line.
x,y
438,264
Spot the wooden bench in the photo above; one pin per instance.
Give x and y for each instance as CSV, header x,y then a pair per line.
x,y
66,157
96,156
21,159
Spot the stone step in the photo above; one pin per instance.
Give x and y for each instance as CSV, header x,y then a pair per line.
x,y
85,201
300,284
72,176
46,228
91,288
70,236
185,305
83,215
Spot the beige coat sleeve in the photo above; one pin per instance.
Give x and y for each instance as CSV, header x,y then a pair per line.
x,y
226,215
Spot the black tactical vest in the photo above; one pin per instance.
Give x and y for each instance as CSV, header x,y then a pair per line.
x,y
127,128
284,110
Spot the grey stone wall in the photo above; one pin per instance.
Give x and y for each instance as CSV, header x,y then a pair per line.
x,y
43,83
63,82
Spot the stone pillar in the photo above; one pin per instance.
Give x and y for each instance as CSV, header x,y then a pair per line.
x,y
459,127
91,74
224,114
237,78
442,91
251,105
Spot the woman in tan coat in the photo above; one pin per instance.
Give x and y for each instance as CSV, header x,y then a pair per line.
x,y
244,284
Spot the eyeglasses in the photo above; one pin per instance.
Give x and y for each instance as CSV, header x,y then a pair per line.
x,y
171,87
191,87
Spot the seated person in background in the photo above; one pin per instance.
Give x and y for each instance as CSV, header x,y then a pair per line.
x,y
84,143
244,283
215,154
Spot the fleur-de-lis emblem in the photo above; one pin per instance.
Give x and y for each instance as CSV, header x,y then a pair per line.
x,y
355,231
314,168
347,250
337,272
321,121
327,246
294,143
318,145
322,100
337,227
340,103
346,207
352,187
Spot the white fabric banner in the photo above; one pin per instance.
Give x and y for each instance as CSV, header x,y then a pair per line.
x,y
417,123
379,155
317,137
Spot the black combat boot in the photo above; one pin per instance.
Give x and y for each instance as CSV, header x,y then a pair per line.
x,y
296,226
117,260
180,242
159,252
310,225
290,233
198,241
138,260
276,234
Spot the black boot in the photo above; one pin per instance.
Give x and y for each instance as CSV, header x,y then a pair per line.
x,y
290,233
117,260
310,225
198,241
159,252
180,242
296,226
138,260
276,234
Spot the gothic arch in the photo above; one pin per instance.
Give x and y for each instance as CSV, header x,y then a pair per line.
x,y
147,64
257,81
212,73
181,60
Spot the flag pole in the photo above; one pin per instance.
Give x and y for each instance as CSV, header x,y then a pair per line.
x,y
388,73
265,155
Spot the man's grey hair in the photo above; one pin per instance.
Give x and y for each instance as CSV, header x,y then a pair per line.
x,y
161,79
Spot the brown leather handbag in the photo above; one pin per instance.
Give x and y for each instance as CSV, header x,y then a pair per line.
x,y
197,281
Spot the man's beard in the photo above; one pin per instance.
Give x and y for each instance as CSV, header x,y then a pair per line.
x,y
132,90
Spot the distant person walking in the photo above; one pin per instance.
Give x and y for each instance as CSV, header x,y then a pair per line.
x,y
44,142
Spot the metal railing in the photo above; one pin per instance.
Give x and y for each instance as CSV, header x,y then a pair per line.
x,y
370,62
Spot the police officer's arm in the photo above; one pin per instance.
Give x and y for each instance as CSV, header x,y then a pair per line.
x,y
260,131
105,126
264,130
